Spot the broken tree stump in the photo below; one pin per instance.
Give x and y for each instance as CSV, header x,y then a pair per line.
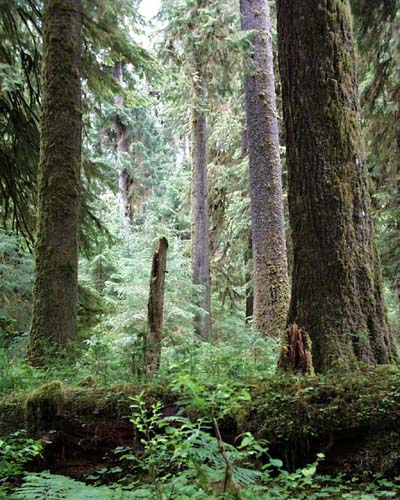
x,y
155,308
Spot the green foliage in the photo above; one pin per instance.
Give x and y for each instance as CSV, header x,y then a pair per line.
x,y
377,29
15,287
231,377
181,457
15,451
296,486
107,37
241,356
206,35
46,486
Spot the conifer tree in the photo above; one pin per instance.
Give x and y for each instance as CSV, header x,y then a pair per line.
x,y
377,25
56,246
200,230
271,286
122,147
202,43
336,283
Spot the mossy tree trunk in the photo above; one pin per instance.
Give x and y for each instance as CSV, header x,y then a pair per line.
x,y
155,308
56,248
200,234
122,147
336,286
271,285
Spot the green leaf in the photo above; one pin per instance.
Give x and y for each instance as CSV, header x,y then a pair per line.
x,y
276,462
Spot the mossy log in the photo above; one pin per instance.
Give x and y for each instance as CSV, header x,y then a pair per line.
x,y
44,408
353,419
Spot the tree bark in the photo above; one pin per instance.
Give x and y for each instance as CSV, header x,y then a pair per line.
x,y
336,286
56,248
271,286
200,234
122,147
155,308
249,279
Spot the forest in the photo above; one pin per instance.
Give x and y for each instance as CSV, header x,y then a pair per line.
x,y
199,249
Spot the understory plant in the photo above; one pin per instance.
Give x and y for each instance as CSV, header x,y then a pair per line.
x,y
15,451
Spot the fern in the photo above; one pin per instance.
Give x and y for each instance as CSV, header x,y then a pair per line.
x,y
46,486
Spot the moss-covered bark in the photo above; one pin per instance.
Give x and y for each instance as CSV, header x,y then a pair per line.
x,y
56,249
200,234
336,286
271,285
122,147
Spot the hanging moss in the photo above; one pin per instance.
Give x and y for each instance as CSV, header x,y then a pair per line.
x,y
44,407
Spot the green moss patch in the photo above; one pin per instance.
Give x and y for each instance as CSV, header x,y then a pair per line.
x,y
352,418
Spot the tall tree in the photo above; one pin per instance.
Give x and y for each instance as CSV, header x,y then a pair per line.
x,y
377,25
20,55
200,40
56,246
122,147
200,234
271,285
106,37
336,284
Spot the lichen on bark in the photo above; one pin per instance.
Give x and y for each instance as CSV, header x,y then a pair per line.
x,y
336,285
56,247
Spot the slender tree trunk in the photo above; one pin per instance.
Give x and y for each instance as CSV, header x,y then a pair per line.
x,y
249,279
155,308
336,286
248,252
56,248
271,286
124,179
200,234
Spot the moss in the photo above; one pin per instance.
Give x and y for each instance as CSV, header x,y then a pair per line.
x,y
379,453
346,416
44,407
12,414
336,287
339,415
56,249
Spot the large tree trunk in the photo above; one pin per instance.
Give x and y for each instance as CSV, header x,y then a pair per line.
x,y
336,286
155,308
122,147
56,249
200,235
271,286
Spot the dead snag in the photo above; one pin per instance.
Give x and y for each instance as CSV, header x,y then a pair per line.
x,y
153,338
296,351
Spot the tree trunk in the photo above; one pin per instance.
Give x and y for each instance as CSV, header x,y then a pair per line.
x,y
271,286
122,147
249,279
336,286
200,235
155,308
56,248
